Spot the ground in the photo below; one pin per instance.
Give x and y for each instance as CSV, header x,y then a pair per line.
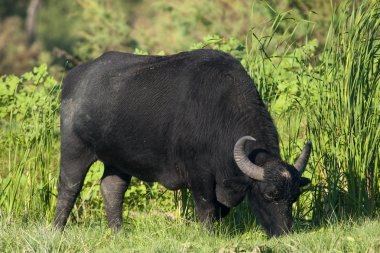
x,y
160,233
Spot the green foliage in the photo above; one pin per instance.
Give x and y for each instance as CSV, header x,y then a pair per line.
x,y
15,55
86,29
12,7
56,24
283,77
105,28
344,124
233,46
181,23
29,136
21,96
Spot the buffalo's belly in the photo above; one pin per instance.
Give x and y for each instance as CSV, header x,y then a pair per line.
x,y
146,166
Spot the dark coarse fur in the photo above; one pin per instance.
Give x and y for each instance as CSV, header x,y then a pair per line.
x,y
169,119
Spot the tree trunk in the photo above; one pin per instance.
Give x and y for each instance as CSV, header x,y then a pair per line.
x,y
31,16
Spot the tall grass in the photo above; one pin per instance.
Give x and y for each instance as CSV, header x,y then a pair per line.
x,y
344,121
29,139
332,98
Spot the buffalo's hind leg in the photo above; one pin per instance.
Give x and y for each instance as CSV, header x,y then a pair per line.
x,y
113,186
76,159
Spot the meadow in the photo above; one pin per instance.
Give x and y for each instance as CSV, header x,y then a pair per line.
x,y
328,93
153,233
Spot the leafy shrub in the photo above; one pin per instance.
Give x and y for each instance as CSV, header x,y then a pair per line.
x,y
29,130
105,28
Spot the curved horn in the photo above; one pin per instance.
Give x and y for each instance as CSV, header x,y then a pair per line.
x,y
242,161
301,162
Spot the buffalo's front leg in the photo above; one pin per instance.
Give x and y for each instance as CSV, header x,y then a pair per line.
x,y
113,186
222,211
205,199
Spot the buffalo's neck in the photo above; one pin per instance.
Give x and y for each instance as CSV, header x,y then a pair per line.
x,y
255,120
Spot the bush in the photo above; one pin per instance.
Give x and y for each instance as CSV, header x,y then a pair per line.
x,y
29,126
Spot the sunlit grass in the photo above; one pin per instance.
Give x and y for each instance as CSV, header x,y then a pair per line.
x,y
155,233
331,98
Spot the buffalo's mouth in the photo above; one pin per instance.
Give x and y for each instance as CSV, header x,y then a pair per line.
x,y
273,223
276,232
276,229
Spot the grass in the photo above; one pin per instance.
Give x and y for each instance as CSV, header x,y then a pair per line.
x,y
333,99
156,233
344,123
29,138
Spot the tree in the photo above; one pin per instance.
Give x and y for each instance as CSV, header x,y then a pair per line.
x,y
30,23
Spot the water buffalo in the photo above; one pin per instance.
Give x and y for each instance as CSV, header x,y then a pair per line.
x,y
191,120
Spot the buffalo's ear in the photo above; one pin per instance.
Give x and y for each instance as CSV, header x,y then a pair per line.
x,y
304,181
238,184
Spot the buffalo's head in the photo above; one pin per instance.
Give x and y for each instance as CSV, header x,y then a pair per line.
x,y
272,187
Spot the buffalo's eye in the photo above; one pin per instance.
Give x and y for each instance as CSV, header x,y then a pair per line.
x,y
267,197
270,196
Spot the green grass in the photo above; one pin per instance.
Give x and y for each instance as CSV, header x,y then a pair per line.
x,y
156,233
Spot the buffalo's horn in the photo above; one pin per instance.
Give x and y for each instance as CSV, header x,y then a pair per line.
x,y
301,162
245,165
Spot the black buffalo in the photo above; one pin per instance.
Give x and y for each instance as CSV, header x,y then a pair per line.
x,y
191,120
